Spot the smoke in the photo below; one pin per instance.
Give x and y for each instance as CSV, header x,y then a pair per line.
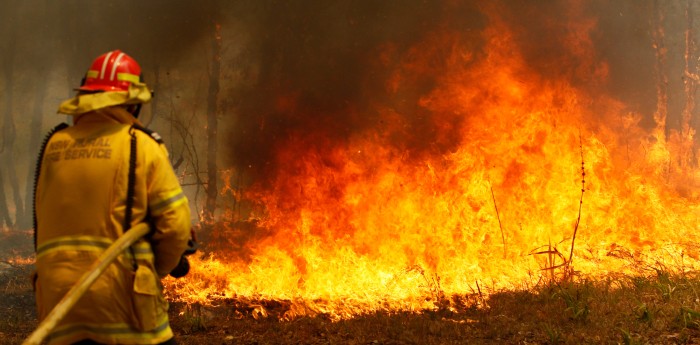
x,y
316,66
318,75
74,32
322,70
47,48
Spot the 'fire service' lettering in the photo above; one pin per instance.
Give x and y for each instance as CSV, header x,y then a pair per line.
x,y
85,148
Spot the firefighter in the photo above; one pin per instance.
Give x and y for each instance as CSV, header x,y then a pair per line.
x,y
95,179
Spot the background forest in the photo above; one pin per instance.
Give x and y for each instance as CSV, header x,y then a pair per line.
x,y
237,80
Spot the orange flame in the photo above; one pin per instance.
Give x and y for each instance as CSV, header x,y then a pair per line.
x,y
353,226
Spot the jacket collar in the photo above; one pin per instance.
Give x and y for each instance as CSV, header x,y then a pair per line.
x,y
115,113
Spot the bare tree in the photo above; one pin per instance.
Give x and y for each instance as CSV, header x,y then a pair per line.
x,y
212,122
690,81
8,133
659,44
5,219
34,141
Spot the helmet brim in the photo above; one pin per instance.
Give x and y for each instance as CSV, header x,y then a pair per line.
x,y
99,88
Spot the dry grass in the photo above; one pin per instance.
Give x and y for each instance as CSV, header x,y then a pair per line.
x,y
17,312
663,308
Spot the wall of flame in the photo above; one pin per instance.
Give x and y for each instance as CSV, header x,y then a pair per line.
x,y
471,158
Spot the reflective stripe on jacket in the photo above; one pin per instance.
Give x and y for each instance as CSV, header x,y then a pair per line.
x,y
80,207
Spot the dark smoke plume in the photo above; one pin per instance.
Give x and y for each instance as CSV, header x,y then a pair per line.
x,y
317,71
322,67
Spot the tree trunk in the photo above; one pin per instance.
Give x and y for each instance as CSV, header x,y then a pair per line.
x,y
5,219
658,42
690,80
9,135
34,141
212,123
13,181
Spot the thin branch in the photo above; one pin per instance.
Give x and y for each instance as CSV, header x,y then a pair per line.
x,y
580,204
193,184
503,237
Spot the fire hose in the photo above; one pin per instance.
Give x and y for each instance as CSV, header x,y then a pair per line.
x,y
85,281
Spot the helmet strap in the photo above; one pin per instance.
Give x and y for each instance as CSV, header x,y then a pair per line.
x,y
134,110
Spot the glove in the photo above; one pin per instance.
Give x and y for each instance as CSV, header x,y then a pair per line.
x,y
182,268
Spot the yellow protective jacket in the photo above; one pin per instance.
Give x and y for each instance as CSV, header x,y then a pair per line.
x,y
80,206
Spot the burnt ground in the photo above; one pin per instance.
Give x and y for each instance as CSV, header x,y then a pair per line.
x,y
234,322
662,309
17,313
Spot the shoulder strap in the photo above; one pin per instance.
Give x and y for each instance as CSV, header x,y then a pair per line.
x,y
153,134
37,171
132,170
130,190
131,182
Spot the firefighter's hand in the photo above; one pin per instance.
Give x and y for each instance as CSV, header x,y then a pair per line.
x,y
182,268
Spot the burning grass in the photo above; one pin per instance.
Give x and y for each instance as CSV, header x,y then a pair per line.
x,y
650,302
661,306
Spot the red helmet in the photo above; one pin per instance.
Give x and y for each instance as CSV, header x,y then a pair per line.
x,y
112,71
